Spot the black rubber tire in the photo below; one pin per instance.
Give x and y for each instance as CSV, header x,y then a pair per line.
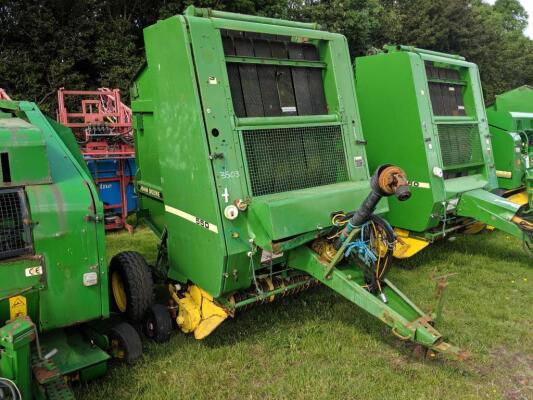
x,y
138,283
129,341
158,324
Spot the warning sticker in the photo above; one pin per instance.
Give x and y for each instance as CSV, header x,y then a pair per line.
x,y
17,307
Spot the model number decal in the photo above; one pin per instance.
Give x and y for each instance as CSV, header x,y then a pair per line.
x,y
229,174
202,223
191,218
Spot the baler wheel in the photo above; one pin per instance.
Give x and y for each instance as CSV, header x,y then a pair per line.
x,y
125,343
158,324
131,284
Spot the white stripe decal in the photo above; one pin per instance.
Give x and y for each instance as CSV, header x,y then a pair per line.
x,y
198,221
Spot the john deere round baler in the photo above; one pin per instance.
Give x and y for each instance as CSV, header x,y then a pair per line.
x,y
53,274
424,111
252,171
511,128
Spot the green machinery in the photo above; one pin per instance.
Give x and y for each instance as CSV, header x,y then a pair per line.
x,y
53,275
251,162
424,112
511,128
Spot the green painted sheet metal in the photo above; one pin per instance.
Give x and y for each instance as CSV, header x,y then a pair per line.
x,y
74,351
193,155
424,111
63,208
283,215
405,319
66,135
15,364
490,209
21,142
52,260
511,125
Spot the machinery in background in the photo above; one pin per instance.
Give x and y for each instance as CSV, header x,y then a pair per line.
x,y
4,95
102,126
511,127
54,301
424,112
252,171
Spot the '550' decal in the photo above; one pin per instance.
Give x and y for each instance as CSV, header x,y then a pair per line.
x,y
198,221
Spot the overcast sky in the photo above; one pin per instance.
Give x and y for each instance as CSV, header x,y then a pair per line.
x,y
528,5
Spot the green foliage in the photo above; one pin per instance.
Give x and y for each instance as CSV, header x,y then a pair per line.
x,y
514,16
85,44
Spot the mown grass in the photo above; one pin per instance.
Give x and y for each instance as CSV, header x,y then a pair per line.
x,y
318,345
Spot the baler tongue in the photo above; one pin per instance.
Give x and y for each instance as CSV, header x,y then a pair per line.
x,y
367,241
496,211
391,306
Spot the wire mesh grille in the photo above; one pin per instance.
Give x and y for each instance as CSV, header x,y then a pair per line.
x,y
285,159
460,145
14,235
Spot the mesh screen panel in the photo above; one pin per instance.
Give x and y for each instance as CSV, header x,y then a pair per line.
x,y
14,235
285,159
460,144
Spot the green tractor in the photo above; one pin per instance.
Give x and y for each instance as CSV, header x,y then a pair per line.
x,y
511,128
53,275
424,112
253,173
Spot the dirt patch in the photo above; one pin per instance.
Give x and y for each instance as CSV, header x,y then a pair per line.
x,y
515,373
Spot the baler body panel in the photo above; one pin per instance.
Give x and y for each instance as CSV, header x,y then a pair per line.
x,y
30,145
434,128
58,212
511,126
224,133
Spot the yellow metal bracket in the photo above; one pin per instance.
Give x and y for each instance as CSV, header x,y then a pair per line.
x,y
198,313
519,198
407,246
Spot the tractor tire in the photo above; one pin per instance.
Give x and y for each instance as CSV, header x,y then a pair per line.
x,y
131,285
158,324
125,343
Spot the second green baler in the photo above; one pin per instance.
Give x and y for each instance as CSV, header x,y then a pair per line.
x,y
424,111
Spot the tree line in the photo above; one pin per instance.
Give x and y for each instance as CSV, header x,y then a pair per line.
x,y
85,44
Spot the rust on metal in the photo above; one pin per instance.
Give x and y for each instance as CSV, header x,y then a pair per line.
x,y
392,178
45,373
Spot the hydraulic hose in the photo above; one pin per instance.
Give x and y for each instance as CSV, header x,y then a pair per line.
x,y
386,181
11,387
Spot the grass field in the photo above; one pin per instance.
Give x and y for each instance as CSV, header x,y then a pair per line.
x,y
318,345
